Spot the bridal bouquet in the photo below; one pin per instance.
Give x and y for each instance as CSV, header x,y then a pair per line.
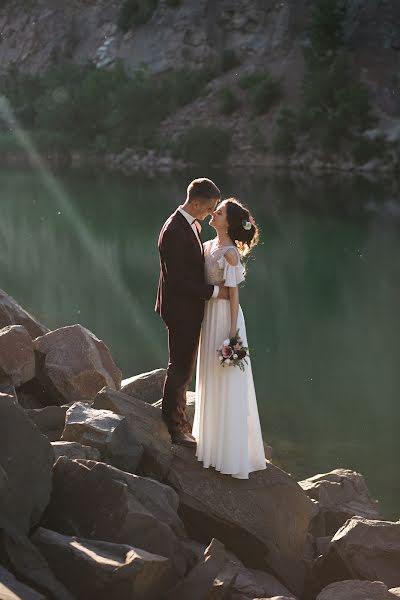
x,y
233,353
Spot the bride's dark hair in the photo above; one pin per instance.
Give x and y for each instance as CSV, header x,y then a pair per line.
x,y
242,228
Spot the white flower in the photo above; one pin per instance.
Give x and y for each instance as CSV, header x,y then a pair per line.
x,y
220,358
235,356
228,360
227,342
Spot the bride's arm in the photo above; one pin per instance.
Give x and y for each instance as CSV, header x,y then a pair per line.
x,y
232,258
234,302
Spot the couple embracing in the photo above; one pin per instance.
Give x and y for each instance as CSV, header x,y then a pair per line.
x,y
198,300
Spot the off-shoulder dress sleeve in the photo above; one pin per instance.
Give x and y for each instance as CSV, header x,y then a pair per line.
x,y
233,274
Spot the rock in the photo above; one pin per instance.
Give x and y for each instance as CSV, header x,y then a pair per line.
x,y
199,582
264,520
26,462
340,495
356,590
12,313
12,589
147,386
17,358
74,450
50,420
159,499
27,563
97,570
322,544
73,364
119,517
148,428
33,395
108,432
361,549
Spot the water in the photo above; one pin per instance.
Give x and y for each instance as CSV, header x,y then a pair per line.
x,y
320,300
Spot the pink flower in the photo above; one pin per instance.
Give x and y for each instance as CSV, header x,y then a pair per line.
x,y
227,351
237,347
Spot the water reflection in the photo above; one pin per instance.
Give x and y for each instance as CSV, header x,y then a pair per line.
x,y
321,299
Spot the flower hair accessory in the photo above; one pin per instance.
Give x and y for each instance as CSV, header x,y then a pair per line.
x,y
248,224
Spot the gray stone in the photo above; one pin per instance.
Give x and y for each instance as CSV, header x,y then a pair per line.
x,y
26,462
12,589
91,500
339,495
159,499
106,431
50,420
356,590
11,313
98,570
17,358
74,450
264,520
149,430
73,364
147,386
27,563
199,581
361,549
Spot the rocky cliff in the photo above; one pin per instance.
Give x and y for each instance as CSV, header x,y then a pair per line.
x,y
196,33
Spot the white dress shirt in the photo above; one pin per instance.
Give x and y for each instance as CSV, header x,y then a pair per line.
x,y
192,222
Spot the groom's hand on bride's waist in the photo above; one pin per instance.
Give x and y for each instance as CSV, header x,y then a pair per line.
x,y
223,293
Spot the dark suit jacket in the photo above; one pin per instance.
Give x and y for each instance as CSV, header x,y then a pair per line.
x,y
182,290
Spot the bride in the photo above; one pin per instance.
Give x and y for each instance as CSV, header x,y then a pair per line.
x,y
226,423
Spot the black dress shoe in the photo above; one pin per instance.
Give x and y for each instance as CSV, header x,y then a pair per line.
x,y
183,439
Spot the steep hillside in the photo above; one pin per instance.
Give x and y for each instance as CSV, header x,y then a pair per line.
x,y
235,37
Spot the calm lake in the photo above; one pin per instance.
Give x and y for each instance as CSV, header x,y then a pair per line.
x,y
321,299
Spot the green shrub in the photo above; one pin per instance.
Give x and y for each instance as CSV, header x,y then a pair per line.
x,y
263,90
228,102
325,30
203,145
265,94
251,80
135,12
229,60
173,3
284,141
365,149
184,85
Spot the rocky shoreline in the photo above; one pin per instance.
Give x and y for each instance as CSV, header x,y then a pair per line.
x,y
96,503
150,163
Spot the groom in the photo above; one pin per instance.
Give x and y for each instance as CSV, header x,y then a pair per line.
x,y
181,297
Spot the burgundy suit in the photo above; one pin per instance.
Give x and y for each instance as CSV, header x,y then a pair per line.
x,y
181,297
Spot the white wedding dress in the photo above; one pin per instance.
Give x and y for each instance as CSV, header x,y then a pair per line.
x,y
226,423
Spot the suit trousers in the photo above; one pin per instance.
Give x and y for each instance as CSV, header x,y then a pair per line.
x,y
183,342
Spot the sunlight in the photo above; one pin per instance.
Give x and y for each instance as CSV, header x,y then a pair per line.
x,y
131,306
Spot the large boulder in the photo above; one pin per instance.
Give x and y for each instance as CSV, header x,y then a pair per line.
x,y
50,420
356,590
264,520
26,463
339,495
361,549
148,428
74,450
17,358
93,501
12,589
111,434
200,580
97,570
27,563
159,499
146,386
12,313
73,364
